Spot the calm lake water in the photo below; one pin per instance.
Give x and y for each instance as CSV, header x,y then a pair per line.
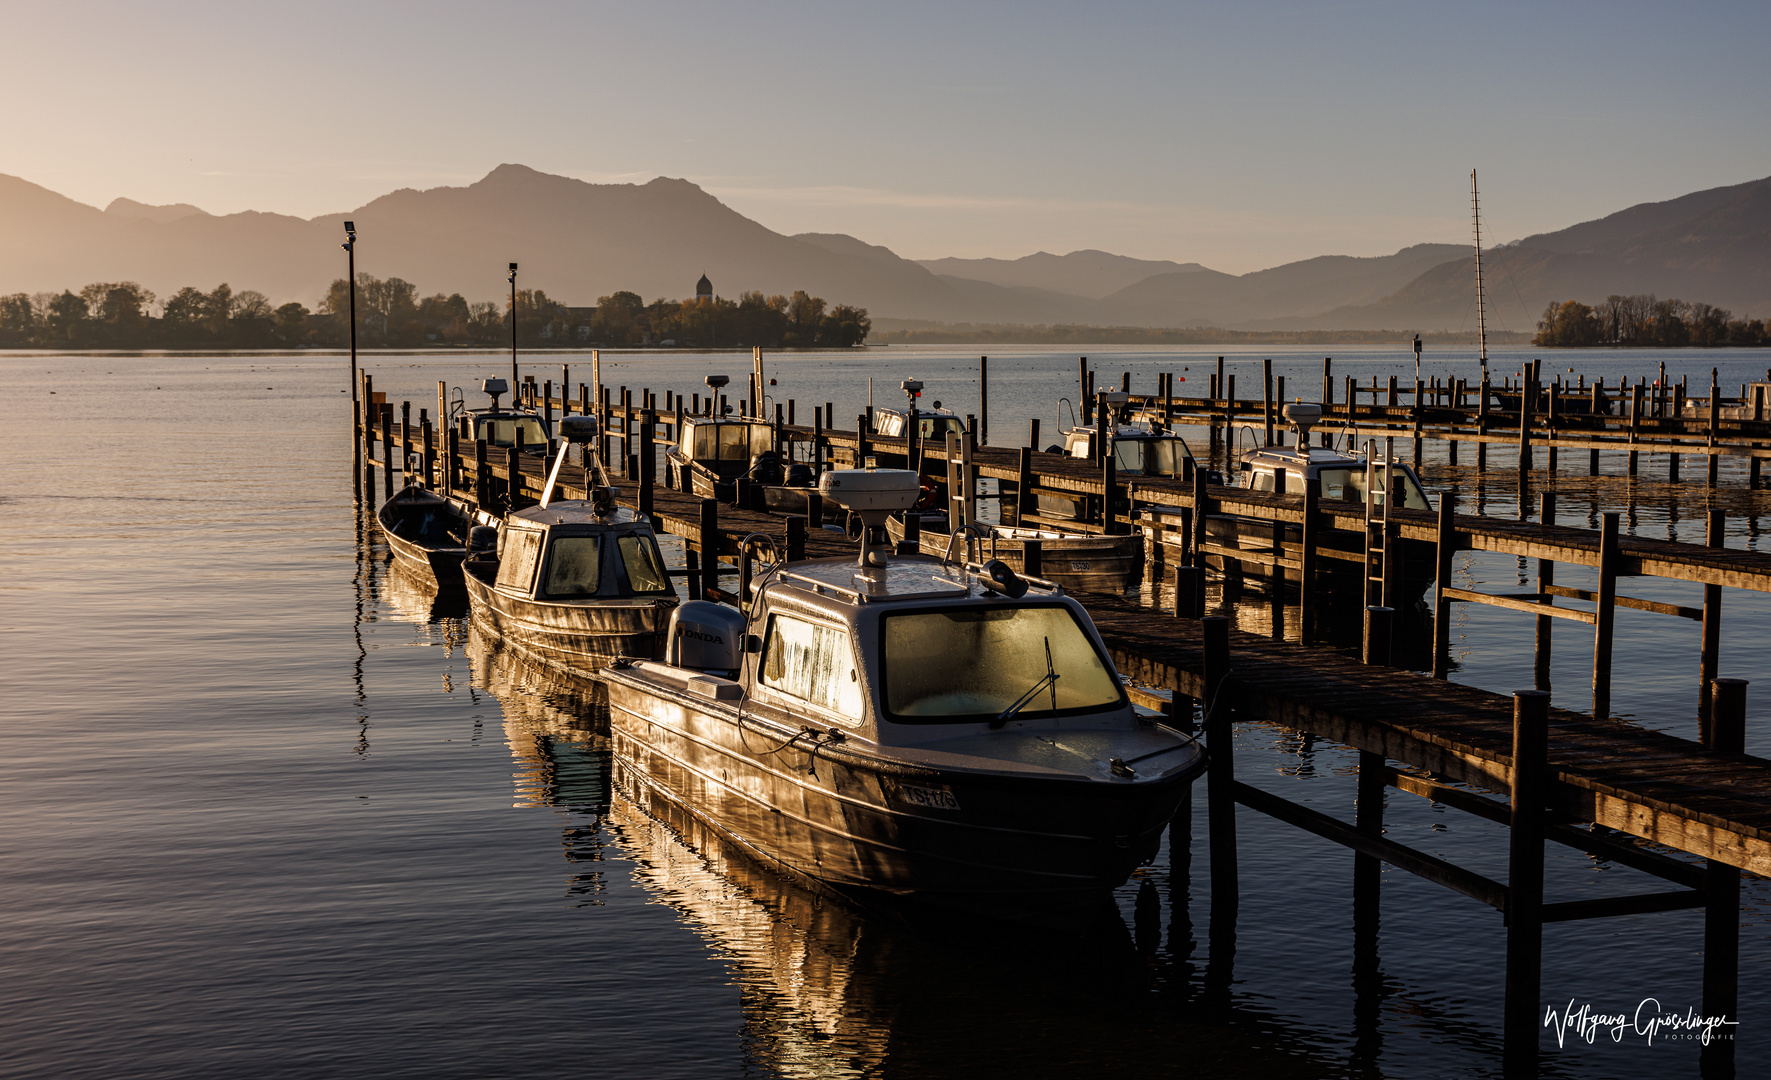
x,y
267,809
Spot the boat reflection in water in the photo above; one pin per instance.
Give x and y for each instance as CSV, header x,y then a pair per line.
x,y
419,600
831,989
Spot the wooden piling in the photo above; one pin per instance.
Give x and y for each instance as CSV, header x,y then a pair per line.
x,y
1188,601
482,476
1482,426
709,547
1709,655
1379,630
1221,777
1267,399
796,539
387,447
1311,537
1635,424
1605,615
1721,915
1327,385
648,461
428,438
513,491
1026,503
983,401
1033,558
1546,577
1529,788
1443,551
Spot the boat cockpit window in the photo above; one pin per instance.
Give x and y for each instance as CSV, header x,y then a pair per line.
x,y
645,567
731,442
937,427
574,566
1348,485
1150,457
813,663
516,563
967,665
503,431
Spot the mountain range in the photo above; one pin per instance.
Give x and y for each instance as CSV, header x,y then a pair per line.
x,y
578,241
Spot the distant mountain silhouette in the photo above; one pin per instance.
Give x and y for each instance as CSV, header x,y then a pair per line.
x,y
1713,246
1089,273
578,241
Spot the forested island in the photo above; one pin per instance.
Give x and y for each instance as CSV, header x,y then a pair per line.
x,y
1641,320
390,313
1078,334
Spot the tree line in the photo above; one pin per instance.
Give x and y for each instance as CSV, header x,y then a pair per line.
x,y
391,313
797,321
1643,320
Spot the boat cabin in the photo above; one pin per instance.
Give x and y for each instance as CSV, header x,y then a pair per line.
x,y
1343,478
713,452
569,553
1137,451
931,424
503,426
916,651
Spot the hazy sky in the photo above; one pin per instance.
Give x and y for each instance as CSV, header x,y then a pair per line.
x,y
1238,135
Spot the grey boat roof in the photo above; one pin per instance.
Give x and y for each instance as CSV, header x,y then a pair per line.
x,y
906,577
576,512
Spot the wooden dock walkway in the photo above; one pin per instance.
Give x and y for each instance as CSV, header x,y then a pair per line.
x,y
1561,771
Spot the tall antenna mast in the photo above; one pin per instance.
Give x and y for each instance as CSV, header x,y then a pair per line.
x,y
1481,310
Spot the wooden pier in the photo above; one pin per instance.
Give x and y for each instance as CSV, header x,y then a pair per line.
x,y
1575,778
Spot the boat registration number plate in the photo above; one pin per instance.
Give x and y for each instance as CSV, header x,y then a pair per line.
x,y
1080,565
933,798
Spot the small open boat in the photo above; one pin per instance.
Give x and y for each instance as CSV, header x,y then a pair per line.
x,y
950,732
426,532
572,583
1073,560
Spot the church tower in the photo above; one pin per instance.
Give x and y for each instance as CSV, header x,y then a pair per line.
x,y
703,291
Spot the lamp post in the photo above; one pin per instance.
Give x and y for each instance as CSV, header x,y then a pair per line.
x,y
350,247
513,326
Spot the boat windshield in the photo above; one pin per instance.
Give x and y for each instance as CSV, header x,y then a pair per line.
x,y
966,665
574,566
502,431
516,563
937,427
1348,485
732,442
1150,457
645,568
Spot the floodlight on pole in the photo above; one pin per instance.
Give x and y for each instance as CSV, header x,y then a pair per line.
x,y
513,325
350,247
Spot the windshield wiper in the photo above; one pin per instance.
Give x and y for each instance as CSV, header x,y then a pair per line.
x,y
1050,678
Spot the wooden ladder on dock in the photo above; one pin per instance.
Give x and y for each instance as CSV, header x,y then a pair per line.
x,y
1378,536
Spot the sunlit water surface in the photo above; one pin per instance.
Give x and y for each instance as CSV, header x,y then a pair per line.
x,y
268,809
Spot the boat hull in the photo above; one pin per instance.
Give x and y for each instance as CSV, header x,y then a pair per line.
x,y
578,639
856,819
426,533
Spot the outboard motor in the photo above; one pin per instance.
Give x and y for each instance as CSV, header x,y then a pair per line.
x,y
800,475
765,468
706,637
482,542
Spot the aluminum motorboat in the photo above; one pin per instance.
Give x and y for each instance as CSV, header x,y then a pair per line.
x,y
571,583
942,729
